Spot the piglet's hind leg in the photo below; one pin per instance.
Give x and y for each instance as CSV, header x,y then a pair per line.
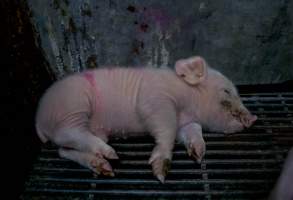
x,y
94,163
83,140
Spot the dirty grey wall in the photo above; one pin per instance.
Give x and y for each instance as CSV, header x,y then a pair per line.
x,y
249,41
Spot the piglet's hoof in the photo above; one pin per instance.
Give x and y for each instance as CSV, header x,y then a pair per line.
x,y
101,166
160,168
196,150
106,170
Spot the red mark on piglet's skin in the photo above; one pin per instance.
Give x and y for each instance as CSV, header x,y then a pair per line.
x,y
90,78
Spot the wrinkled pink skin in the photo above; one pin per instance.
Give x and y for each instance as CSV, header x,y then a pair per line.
x,y
283,188
79,112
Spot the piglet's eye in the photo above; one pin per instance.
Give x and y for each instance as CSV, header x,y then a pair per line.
x,y
226,104
227,91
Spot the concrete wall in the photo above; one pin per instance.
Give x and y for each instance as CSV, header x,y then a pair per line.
x,y
251,41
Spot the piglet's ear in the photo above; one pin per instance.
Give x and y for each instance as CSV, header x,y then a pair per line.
x,y
192,70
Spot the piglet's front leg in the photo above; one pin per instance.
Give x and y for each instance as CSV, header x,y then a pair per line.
x,y
161,123
191,136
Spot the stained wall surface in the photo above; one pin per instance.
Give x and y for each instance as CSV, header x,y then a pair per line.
x,y
249,41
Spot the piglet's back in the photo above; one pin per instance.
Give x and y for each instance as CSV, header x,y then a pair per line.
x,y
61,103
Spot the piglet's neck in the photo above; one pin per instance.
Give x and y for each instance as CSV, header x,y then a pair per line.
x,y
198,99
204,98
190,103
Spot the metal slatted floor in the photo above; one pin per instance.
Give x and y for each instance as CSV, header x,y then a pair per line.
x,y
241,166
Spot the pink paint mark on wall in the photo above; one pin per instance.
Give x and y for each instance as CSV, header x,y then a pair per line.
x,y
159,16
152,15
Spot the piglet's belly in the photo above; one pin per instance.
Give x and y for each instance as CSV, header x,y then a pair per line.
x,y
115,125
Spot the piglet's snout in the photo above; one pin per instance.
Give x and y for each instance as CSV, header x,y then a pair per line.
x,y
247,119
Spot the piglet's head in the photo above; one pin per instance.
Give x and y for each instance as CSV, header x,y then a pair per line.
x,y
219,107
